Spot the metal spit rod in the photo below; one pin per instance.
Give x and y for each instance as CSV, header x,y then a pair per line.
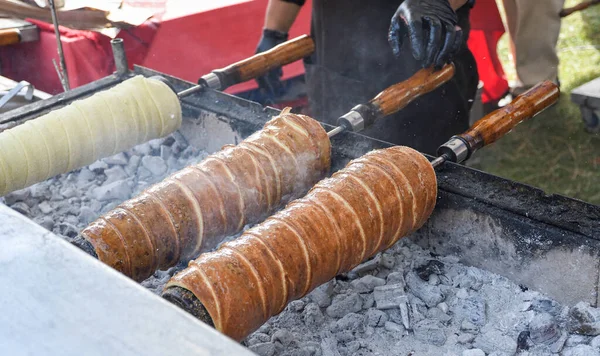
x,y
393,99
493,126
254,66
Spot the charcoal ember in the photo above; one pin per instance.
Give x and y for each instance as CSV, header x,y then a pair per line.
x,y
524,342
465,338
17,196
584,319
494,340
98,166
344,336
595,343
367,266
263,349
119,190
353,322
21,208
546,306
388,260
472,309
430,332
132,165
165,152
431,295
473,352
297,305
574,340
434,280
393,327
46,222
312,315
114,174
257,338
282,336
155,165
87,214
367,283
543,329
66,229
349,348
118,159
375,317
329,347
322,294
429,268
368,301
389,296
581,350
344,304
437,314
396,278
469,327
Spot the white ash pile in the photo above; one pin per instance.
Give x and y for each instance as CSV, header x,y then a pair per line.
x,y
407,301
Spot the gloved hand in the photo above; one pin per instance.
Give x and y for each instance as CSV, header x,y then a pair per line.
x,y
271,82
431,27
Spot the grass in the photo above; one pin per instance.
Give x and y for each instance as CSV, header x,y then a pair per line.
x,y
553,151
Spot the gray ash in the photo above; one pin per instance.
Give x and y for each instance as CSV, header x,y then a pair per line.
x,y
405,301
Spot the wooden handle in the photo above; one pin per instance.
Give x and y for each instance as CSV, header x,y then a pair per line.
x,y
582,6
261,63
396,97
498,123
9,36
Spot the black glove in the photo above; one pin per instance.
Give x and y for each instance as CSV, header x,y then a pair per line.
x,y
431,26
271,82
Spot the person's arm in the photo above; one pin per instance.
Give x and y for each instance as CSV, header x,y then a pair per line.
x,y
281,14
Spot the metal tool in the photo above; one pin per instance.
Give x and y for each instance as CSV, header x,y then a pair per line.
x,y
254,66
498,123
393,99
62,72
16,90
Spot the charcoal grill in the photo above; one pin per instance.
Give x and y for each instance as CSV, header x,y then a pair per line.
x,y
544,242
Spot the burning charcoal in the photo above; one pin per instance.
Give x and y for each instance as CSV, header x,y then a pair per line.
x,y
322,295
297,305
494,340
429,294
329,347
17,196
114,174
155,165
465,338
165,152
558,345
375,317
344,336
396,278
118,190
118,159
462,294
544,329
21,208
546,306
581,350
443,307
575,340
98,166
263,349
47,223
388,260
312,315
87,214
344,304
350,348
431,267
430,332
353,322
368,266
368,301
132,165
523,341
437,314
473,352
393,328
283,336
434,280
257,338
472,309
367,283
469,327
389,296
595,343
67,229
404,314
143,150
584,320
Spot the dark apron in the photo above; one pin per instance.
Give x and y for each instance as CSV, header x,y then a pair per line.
x,y
353,62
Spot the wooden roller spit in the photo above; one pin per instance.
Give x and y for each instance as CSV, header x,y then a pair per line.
x,y
133,112
192,210
342,221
